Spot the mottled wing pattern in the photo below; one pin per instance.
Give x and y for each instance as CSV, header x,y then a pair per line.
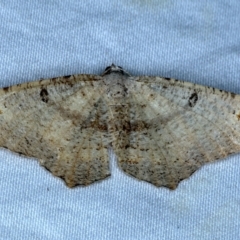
x,y
60,121
162,130
174,127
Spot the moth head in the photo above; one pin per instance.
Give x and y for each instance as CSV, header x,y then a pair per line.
x,y
114,69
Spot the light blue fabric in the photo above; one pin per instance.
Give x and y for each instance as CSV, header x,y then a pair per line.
x,y
197,41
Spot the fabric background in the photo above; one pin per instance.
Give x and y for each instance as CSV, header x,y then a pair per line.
x,y
196,41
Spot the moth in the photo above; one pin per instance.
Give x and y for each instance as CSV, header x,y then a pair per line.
x,y
162,130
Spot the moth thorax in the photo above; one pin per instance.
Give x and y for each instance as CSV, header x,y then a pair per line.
x,y
117,91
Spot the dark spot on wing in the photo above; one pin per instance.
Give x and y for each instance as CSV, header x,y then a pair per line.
x,y
68,76
238,116
6,89
233,95
44,95
27,141
193,99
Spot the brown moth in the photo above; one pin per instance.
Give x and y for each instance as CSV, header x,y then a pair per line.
x,y
162,130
